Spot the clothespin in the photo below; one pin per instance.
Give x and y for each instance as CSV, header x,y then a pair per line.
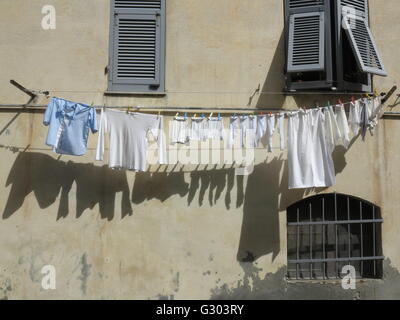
x,y
329,104
185,115
177,114
194,117
340,101
219,116
127,110
375,93
202,115
353,99
159,112
211,114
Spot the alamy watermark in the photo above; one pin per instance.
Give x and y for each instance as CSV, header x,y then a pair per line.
x,y
49,18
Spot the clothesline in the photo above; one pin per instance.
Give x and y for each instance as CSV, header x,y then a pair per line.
x,y
167,109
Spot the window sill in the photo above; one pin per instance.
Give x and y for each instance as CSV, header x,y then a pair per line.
x,y
135,94
329,281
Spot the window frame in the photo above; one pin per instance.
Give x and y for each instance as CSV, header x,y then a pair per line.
x,y
137,86
376,221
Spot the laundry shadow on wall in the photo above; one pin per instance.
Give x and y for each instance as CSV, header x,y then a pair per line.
x,y
270,95
49,179
262,194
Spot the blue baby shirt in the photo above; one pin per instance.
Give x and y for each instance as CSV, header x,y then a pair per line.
x,y
69,123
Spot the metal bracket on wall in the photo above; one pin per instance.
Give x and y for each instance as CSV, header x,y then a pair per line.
x,y
31,93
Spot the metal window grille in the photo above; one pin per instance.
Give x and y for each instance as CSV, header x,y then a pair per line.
x,y
327,232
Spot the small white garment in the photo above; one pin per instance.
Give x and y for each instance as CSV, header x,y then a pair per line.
x,y
309,151
251,133
261,128
199,129
377,112
270,130
331,126
128,139
244,126
355,117
215,128
179,131
343,126
234,131
280,117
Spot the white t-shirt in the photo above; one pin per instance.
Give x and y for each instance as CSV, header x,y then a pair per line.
x,y
128,138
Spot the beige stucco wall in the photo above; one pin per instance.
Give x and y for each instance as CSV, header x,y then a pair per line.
x,y
188,228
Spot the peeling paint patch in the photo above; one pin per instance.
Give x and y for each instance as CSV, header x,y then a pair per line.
x,y
5,288
275,286
176,282
85,272
164,297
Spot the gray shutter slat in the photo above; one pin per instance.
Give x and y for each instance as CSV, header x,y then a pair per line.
x,y
359,5
136,48
138,4
363,45
306,41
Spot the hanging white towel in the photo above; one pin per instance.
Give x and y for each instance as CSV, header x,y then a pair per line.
x,y
309,150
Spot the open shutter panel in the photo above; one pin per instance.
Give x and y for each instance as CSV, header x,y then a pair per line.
x,y
137,49
306,42
363,45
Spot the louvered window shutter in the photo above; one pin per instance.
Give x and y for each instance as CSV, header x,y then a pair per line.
x,y
136,45
357,29
306,39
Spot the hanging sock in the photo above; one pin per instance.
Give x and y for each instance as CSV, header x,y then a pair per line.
x,y
364,119
270,130
343,125
281,130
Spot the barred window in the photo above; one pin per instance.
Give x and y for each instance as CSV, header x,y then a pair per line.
x,y
327,232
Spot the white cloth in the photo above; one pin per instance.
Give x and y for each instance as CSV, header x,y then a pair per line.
x,y
280,117
270,130
355,117
309,151
244,126
234,131
261,128
343,125
377,112
251,132
215,129
179,131
128,143
199,129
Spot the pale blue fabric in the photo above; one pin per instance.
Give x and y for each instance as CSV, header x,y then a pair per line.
x,y
69,124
